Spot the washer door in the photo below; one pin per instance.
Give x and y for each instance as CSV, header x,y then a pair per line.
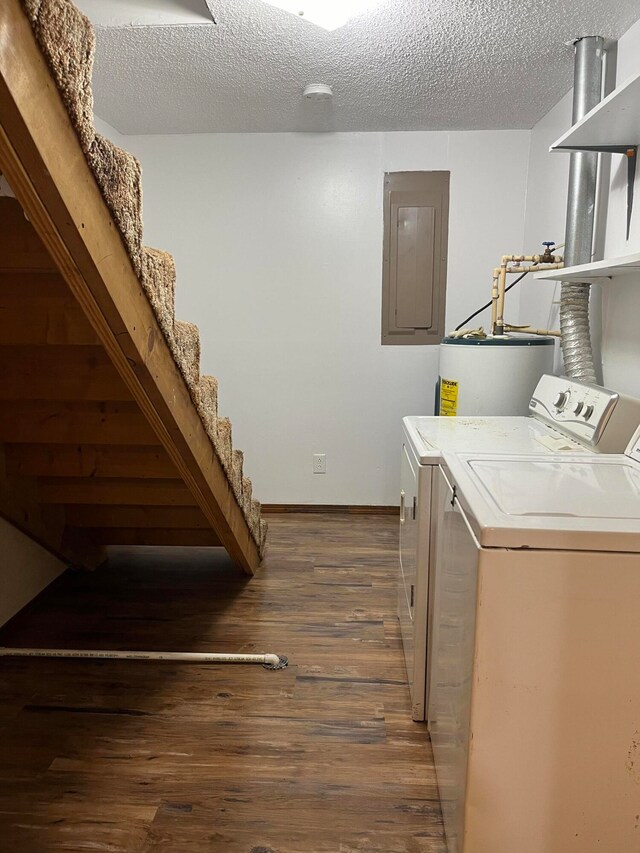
x,y
456,576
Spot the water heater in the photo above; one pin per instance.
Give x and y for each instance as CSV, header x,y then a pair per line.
x,y
491,376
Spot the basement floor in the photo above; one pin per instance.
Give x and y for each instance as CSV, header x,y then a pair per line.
x,y
142,756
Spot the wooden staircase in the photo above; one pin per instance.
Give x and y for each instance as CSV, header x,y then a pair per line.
x,y
109,435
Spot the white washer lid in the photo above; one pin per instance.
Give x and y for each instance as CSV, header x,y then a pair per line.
x,y
431,436
568,502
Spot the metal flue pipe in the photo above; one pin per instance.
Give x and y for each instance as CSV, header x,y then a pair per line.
x,y
577,348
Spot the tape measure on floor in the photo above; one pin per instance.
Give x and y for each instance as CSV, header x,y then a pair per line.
x,y
448,397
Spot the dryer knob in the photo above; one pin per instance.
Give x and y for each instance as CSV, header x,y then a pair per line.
x,y
561,400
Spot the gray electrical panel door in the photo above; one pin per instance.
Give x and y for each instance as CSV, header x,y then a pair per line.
x,y
416,220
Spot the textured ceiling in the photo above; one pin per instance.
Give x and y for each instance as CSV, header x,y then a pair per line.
x,y
408,65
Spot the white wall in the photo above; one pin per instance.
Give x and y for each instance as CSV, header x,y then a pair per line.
x,y
619,301
278,245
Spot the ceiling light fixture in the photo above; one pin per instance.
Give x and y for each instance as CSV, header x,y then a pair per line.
x,y
328,14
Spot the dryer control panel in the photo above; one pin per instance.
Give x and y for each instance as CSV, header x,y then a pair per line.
x,y
589,414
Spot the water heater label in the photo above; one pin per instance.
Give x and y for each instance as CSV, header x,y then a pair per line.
x,y
448,397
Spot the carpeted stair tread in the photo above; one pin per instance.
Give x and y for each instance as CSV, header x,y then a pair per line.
x,y
185,345
247,493
264,529
253,519
67,41
207,404
221,433
223,444
119,176
237,462
158,279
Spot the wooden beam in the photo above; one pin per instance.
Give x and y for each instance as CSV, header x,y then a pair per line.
x,y
42,159
59,373
38,308
111,490
149,536
62,460
43,422
168,517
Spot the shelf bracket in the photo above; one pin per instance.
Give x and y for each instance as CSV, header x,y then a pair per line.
x,y
628,151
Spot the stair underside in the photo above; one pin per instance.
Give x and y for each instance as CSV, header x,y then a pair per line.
x,y
108,433
82,466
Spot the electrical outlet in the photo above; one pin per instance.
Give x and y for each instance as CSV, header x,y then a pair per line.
x,y
319,463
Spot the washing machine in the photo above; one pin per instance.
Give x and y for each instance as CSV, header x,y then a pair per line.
x,y
534,709
565,417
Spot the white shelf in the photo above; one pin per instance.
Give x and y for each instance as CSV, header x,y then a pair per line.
x,y
614,121
598,271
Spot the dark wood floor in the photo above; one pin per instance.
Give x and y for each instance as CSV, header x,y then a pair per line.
x,y
128,756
